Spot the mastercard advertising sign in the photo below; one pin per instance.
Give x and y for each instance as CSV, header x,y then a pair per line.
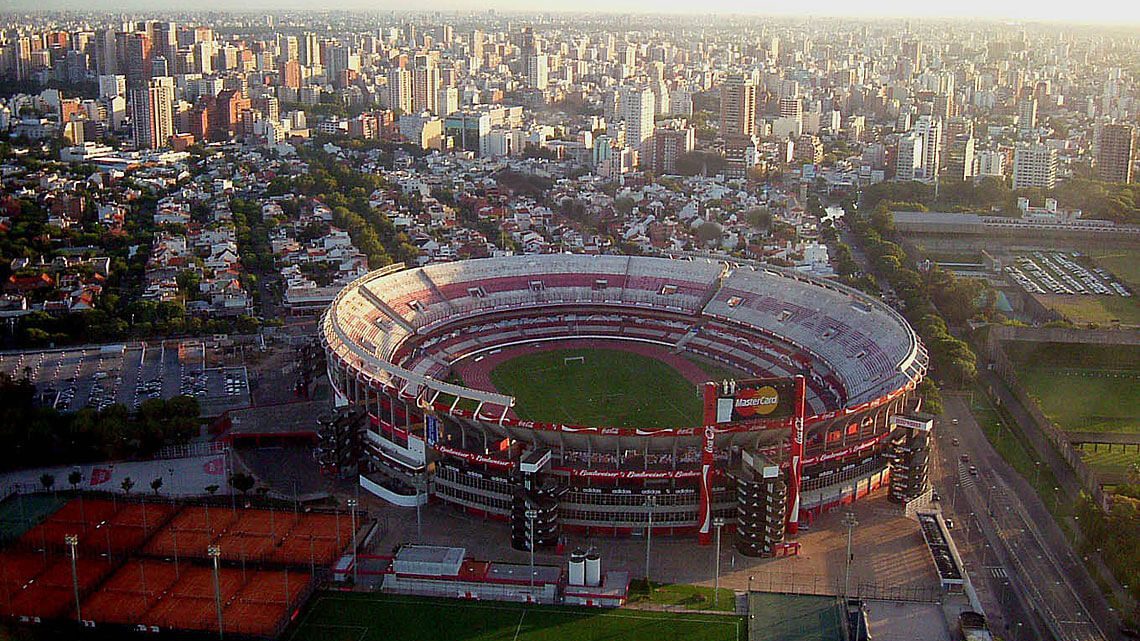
x,y
755,399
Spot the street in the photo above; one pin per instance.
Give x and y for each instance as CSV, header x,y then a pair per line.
x,y
1020,536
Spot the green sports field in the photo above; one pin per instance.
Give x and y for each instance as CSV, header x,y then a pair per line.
x,y
20,512
368,617
605,387
1114,465
1082,388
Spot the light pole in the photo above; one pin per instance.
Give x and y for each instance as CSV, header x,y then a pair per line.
x,y
107,534
72,541
531,515
420,488
214,552
352,536
650,503
718,523
1036,474
849,522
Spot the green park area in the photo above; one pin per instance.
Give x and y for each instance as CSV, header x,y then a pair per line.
x,y
1081,387
371,617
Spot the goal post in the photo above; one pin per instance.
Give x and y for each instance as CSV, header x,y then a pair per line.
x,y
572,360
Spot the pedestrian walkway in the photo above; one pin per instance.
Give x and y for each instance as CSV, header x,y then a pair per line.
x,y
188,476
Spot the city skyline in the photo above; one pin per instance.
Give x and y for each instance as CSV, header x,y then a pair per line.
x,y
1099,12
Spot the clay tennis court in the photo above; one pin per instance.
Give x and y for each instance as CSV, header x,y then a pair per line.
x,y
254,535
31,586
111,527
146,563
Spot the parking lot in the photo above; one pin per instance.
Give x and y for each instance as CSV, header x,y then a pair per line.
x,y
1059,273
97,377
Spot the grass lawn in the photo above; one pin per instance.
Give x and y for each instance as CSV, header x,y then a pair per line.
x,y
1002,432
1100,310
690,597
370,617
1124,263
609,387
1082,388
1086,401
1114,465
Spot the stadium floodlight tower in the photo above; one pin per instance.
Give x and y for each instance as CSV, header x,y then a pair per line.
x,y
72,541
531,515
352,535
214,551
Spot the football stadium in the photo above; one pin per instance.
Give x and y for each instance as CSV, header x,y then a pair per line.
x,y
618,394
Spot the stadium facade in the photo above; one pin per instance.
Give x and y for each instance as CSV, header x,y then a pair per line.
x,y
835,368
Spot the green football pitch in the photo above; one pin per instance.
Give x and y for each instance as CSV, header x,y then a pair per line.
x,y
598,387
369,617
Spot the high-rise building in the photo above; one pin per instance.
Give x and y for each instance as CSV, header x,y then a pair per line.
x,y
138,56
1034,166
537,71
737,123
447,101
670,140
960,158
290,72
1027,114
476,50
400,90
152,117
908,157
808,150
1116,150
425,85
106,57
165,40
929,129
912,57
791,107
227,113
991,163
112,85
737,107
636,108
309,50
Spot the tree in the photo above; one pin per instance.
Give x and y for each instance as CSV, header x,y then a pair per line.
x,y
759,218
709,233
242,482
128,484
156,485
624,205
75,478
47,480
212,489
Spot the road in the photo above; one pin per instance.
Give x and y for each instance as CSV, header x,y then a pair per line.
x,y
1027,544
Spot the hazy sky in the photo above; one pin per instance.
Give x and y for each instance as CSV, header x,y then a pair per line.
x,y
1117,12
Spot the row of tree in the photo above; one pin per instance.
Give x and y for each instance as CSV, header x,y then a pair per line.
x,y
928,298
1116,535
1119,202
240,481
346,191
36,434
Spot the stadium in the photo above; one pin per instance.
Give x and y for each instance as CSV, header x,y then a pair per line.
x,y
818,378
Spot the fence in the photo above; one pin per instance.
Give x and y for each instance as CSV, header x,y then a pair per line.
x,y
189,450
1005,369
818,585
